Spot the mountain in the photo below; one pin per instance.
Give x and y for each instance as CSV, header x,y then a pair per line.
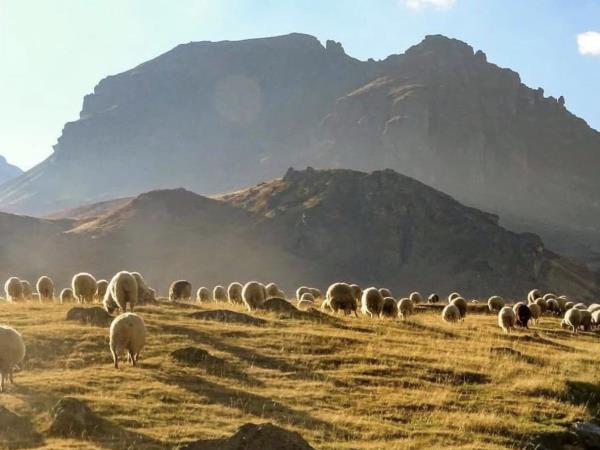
x,y
217,116
8,171
309,227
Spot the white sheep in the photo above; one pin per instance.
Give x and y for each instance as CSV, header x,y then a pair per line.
x,y
536,312
66,295
254,295
461,304
572,319
219,294
533,295
507,319
234,292
586,320
356,292
27,290
593,307
101,287
450,313
390,308
549,296
145,293
569,305
127,333
122,290
385,292
553,306
596,318
372,302
274,291
301,290
495,303
433,298
405,308
45,288
416,297
13,289
580,306
452,296
542,304
12,352
84,287
316,293
307,297
180,290
340,297
203,295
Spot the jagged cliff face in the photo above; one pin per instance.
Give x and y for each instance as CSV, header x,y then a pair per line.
x,y
218,116
309,227
8,171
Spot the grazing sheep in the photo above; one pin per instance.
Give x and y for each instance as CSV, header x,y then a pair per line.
x,y
405,308
506,319
523,314
203,295
307,297
122,290
390,308
340,297
27,290
553,306
586,320
542,304
357,292
495,303
562,301
548,296
254,295
304,304
569,305
461,304
596,318
45,288
301,290
453,296
145,293
84,287
13,289
433,298
416,298
234,292
127,332
450,314
536,312
12,352
533,295
372,302
316,293
274,291
219,294
101,287
580,306
593,307
66,295
385,292
572,319
180,290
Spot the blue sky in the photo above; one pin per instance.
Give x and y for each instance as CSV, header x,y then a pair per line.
x,y
52,53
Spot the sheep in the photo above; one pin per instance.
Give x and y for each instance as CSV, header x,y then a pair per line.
x,y
536,312
301,290
372,302
45,288
593,307
533,295
145,293
586,320
234,292
506,319
416,298
357,292
569,305
553,306
433,298
580,306
101,287
390,307
66,295
341,296
274,291
127,332
219,294
385,292
572,319
450,314
596,318
562,301
316,293
27,289
203,295
304,304
12,352
180,290
461,304
542,304
13,289
549,296
254,295
405,308
523,314
495,303
307,297
84,287
453,296
122,290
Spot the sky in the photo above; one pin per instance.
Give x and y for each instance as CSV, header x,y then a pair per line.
x,y
53,52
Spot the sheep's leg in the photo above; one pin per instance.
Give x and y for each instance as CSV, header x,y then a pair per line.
x,y
1,381
115,357
10,376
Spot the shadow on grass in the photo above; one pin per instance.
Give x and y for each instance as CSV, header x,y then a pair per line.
x,y
582,393
416,326
17,432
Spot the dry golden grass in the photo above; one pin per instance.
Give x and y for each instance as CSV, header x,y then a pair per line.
x,y
343,384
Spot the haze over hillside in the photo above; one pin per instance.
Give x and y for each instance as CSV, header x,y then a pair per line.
x,y
309,227
8,171
216,116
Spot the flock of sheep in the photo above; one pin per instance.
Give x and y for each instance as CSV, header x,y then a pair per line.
x,y
128,289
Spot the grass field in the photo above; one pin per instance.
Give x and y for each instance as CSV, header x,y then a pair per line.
x,y
344,383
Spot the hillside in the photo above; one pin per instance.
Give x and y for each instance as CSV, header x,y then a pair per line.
x,y
342,383
217,116
309,227
8,171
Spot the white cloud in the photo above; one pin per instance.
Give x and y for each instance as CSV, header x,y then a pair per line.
x,y
589,43
424,4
